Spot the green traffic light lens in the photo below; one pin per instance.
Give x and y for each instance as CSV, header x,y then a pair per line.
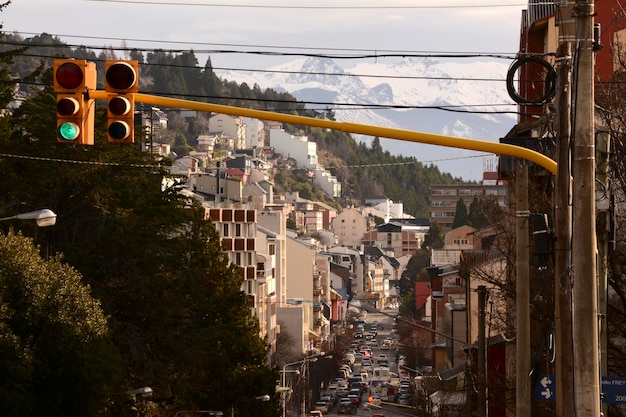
x,y
119,130
68,131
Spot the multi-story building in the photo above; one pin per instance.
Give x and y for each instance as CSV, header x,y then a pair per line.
x,y
254,252
349,226
399,236
231,127
444,197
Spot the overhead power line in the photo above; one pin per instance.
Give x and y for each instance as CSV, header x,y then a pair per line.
x,y
348,52
334,7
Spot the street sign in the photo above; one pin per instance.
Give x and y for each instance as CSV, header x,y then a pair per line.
x,y
613,390
545,387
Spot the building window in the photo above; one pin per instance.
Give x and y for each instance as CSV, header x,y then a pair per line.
x,y
225,229
238,229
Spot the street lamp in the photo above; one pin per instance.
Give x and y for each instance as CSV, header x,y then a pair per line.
x,y
284,389
144,392
312,358
209,412
263,398
44,217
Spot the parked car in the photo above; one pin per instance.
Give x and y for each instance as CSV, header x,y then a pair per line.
x,y
315,413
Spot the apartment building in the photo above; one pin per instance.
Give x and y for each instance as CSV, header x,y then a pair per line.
x,y
444,197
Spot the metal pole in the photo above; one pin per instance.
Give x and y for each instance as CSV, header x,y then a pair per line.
x,y
585,328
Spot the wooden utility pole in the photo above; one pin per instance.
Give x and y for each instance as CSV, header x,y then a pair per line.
x,y
481,354
564,363
522,340
585,324
603,229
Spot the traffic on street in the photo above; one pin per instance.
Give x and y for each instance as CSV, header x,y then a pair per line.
x,y
369,381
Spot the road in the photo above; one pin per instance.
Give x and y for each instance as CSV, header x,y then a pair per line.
x,y
384,325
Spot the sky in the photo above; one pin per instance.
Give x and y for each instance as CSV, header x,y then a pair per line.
x,y
337,26
259,34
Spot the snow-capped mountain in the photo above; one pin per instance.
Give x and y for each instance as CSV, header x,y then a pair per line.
x,y
427,95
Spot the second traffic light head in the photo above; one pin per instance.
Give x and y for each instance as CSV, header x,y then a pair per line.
x,y
121,119
121,82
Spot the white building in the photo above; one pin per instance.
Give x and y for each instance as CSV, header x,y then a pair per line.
x,y
349,226
255,133
305,154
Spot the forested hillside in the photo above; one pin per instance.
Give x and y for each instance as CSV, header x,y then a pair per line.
x,y
363,170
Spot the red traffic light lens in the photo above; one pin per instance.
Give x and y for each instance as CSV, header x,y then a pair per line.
x,y
67,106
69,76
119,106
121,76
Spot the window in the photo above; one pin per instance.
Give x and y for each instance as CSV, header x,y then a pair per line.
x,y
238,229
225,230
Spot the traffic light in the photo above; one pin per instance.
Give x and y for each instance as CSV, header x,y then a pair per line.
x,y
121,82
73,78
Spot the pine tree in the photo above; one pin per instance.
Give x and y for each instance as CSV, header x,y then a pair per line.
x,y
460,216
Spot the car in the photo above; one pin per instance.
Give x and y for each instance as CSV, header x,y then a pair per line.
x,y
316,413
345,406
322,406
330,399
378,415
404,399
382,356
342,393
356,399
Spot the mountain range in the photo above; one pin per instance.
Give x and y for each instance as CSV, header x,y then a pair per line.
x,y
462,98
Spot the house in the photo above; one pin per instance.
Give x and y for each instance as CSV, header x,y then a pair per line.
x,y
349,226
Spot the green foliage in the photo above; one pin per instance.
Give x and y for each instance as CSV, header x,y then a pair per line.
x,y
54,345
414,272
178,318
480,211
460,215
434,238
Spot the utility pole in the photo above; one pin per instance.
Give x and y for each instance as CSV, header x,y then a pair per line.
x,y
481,355
603,229
522,340
585,324
564,364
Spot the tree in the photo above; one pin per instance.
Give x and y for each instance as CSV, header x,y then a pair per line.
x,y
56,356
176,310
460,216
480,212
434,238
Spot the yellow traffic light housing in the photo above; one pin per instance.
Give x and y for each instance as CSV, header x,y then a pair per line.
x,y
121,82
73,78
